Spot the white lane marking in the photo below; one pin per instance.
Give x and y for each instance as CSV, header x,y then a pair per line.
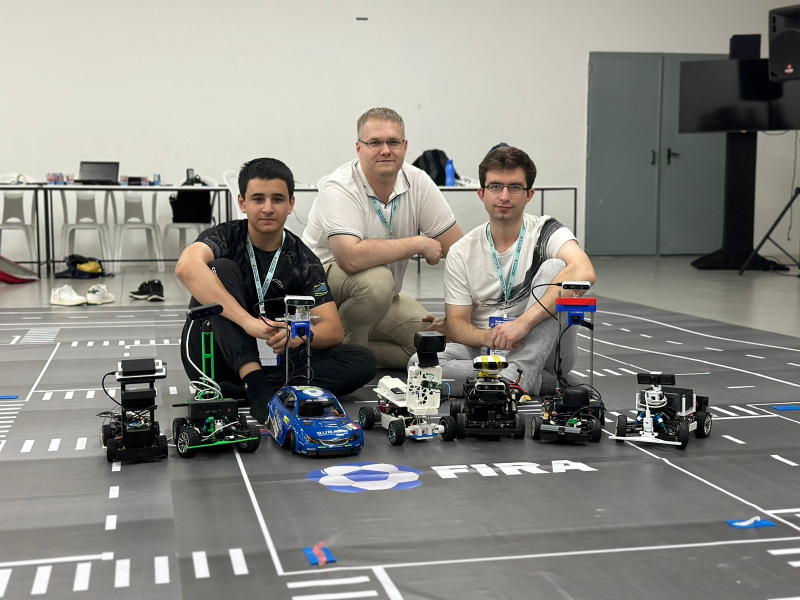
x,y
200,565
44,368
127,354
113,491
57,560
137,342
14,340
794,563
162,569
111,522
173,390
30,318
262,523
748,417
238,561
578,373
723,411
74,344
105,343
125,316
5,575
754,356
793,364
599,374
122,573
122,342
47,396
116,466
54,444
636,412
152,342
784,460
167,315
27,446
166,342
792,598
337,596
744,410
644,335
685,374
2,443
388,586
676,343
616,414
612,372
366,401
784,551
69,395
326,582
625,330
628,371
90,394
608,324
783,510
112,392
89,344
733,439
41,580
740,387
82,573
79,317
714,349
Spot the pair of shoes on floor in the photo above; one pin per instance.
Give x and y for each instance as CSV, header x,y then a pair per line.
x,y
66,296
149,290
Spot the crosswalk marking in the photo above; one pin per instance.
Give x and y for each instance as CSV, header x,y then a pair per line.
x,y
5,575
90,344
733,439
200,565
326,582
47,396
238,562
2,443
122,573
744,410
599,374
723,411
122,342
111,522
578,373
166,341
74,344
338,596
162,569
105,343
612,372
628,371
90,394
784,551
82,573
137,342
616,414
41,580
784,460
794,563
27,446
152,342
69,395
54,444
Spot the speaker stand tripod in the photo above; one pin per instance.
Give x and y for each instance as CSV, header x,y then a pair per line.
x,y
771,229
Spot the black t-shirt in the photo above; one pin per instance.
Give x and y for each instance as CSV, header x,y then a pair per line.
x,y
297,273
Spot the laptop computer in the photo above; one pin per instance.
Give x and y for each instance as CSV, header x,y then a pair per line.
x,y
98,173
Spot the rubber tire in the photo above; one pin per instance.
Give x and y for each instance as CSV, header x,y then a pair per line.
x,y
163,446
683,434
293,442
461,425
397,432
157,428
536,427
597,431
106,433
249,447
177,424
366,417
703,424
111,450
450,428
622,428
187,437
519,423
456,406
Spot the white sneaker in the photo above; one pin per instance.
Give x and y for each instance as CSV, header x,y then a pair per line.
x,y
98,294
66,296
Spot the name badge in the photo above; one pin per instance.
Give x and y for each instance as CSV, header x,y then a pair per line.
x,y
265,354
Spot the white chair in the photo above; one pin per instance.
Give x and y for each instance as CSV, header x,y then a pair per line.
x,y
133,218
231,179
182,228
85,219
14,211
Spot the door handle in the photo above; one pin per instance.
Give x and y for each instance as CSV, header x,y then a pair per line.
x,y
670,154
652,157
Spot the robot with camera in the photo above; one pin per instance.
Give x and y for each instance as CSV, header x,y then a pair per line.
x,y
212,420
411,410
665,414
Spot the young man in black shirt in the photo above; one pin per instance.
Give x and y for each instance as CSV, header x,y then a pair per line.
x,y
248,266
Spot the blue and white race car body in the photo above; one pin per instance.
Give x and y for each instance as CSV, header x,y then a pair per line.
x,y
310,420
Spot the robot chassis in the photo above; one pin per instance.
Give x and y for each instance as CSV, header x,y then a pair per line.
x,y
411,410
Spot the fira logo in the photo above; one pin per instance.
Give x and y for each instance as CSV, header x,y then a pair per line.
x,y
511,468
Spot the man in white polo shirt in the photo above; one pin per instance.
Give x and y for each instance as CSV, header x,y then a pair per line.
x,y
364,226
496,272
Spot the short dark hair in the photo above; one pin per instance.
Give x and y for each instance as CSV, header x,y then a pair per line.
x,y
265,168
507,158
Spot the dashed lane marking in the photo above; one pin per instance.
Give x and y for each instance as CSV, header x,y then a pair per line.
x,y
784,551
676,343
83,572
713,349
612,372
784,460
111,522
599,374
733,439
74,344
90,394
113,492
578,373
41,580
27,446
161,564
54,444
628,371
105,343
238,562
5,575
625,330
793,364
200,565
122,573
69,395
740,387
644,335
116,467
338,596
754,356
47,395
173,390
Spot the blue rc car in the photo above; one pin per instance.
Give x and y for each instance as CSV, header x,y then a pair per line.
x,y
310,420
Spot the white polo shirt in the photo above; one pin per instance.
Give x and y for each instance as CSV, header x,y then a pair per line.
x,y
344,207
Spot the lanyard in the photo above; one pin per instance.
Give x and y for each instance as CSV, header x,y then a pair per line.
x,y
377,206
506,286
261,290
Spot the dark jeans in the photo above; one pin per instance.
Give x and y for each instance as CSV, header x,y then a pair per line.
x,y
341,369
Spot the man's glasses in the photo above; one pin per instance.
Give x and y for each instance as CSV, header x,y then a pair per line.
x,y
393,144
514,189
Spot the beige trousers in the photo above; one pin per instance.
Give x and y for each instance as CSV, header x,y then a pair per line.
x,y
374,317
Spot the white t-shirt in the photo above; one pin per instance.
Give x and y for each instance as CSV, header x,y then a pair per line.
x,y
470,278
344,207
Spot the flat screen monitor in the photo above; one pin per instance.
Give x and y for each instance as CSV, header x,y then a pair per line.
x,y
105,172
736,95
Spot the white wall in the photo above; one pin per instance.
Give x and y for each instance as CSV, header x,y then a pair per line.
x,y
161,86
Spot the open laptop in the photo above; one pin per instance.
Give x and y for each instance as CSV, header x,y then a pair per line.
x,y
98,173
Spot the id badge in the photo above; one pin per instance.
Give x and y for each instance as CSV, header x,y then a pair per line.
x,y
494,322
265,354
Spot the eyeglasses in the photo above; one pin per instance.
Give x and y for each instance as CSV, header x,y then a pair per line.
x,y
378,144
497,188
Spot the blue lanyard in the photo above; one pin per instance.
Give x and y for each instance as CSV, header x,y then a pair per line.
x,y
377,206
506,286
262,289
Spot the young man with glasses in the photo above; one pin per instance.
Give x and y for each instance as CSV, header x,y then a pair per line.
x,y
364,226
249,266
495,273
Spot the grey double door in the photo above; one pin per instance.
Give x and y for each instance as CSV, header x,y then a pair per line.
x,y
649,190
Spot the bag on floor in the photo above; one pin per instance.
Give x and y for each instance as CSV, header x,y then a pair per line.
x,y
82,267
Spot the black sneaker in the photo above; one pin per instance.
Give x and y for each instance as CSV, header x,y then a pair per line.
x,y
156,291
143,293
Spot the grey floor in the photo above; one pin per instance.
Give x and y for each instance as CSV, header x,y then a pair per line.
x,y
492,519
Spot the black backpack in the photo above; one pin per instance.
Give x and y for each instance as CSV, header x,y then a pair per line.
x,y
190,206
433,163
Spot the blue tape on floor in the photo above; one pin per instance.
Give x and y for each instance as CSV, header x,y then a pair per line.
x,y
313,560
785,407
8,397
756,523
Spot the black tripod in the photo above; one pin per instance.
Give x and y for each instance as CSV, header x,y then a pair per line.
x,y
771,229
